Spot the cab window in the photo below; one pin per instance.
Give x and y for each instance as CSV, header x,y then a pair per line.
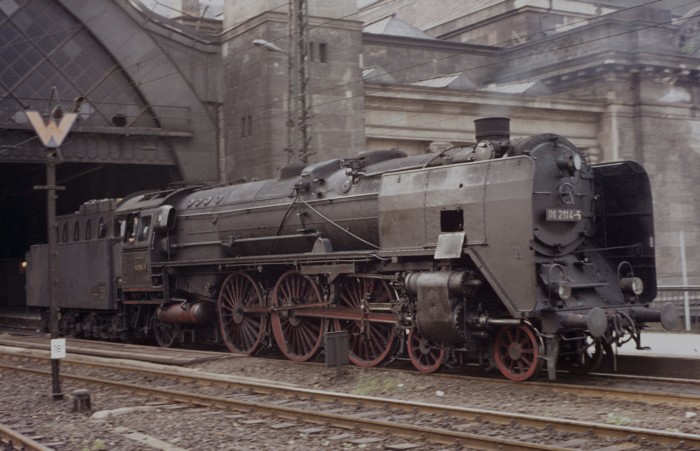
x,y
144,227
129,227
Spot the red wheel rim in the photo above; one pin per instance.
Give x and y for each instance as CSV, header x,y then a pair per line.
x,y
370,342
299,338
517,353
241,330
425,356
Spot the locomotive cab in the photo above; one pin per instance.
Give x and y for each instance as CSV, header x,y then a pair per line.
x,y
136,238
143,220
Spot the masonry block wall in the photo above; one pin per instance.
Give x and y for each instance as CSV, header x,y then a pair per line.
x,y
255,87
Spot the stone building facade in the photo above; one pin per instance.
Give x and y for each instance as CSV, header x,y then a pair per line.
x,y
620,79
256,90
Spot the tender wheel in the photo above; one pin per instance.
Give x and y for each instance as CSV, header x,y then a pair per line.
x,y
299,338
166,334
587,357
517,353
426,357
370,342
242,317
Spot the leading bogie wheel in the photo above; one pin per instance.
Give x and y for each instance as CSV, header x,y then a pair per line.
x,y
242,314
517,352
298,337
425,356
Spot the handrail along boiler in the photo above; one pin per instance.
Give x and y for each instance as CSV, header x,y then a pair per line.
x,y
518,254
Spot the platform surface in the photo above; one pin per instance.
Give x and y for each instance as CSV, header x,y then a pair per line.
x,y
665,344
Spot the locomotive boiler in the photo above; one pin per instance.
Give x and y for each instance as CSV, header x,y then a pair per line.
x,y
518,254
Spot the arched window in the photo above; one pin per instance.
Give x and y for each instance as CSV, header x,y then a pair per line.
x,y
88,229
101,228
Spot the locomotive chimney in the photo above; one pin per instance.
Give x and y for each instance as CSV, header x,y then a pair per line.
x,y
492,129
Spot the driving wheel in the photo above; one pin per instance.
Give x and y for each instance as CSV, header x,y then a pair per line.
x,y
298,337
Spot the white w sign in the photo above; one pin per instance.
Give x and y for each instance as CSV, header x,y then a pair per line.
x,y
50,133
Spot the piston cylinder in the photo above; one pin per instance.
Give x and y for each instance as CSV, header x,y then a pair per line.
x,y
199,313
438,296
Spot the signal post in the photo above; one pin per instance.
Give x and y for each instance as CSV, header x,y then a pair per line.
x,y
52,134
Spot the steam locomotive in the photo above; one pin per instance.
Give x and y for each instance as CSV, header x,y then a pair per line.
x,y
517,254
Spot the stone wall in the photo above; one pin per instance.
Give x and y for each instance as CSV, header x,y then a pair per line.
x,y
256,90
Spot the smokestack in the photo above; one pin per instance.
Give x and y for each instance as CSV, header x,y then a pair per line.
x,y
492,129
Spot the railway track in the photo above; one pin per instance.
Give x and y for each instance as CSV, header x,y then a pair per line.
x,y
11,440
597,391
474,428
600,391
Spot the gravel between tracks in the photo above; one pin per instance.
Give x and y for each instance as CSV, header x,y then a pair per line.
x,y
27,407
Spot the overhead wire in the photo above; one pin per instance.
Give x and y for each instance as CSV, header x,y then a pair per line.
x,y
180,70
140,83
410,82
389,87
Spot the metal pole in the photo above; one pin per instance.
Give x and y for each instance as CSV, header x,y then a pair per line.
x,y
684,269
52,135
51,155
304,102
291,27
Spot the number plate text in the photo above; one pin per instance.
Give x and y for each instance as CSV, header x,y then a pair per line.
x,y
563,214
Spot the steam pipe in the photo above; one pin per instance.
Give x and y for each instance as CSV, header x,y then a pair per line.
x,y
180,313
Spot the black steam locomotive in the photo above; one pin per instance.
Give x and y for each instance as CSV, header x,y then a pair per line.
x,y
510,253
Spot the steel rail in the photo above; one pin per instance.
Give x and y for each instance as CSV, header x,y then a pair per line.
x,y
607,393
581,427
442,436
18,441
622,394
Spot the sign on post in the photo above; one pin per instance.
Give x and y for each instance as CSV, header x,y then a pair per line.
x,y
50,133
58,348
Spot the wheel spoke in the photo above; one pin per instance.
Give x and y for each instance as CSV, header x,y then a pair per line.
x,y
425,362
165,334
370,342
242,333
516,352
298,338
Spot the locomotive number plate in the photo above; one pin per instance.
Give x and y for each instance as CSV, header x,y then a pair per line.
x,y
563,214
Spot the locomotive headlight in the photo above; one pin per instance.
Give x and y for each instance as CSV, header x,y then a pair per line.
x,y
569,161
562,290
576,162
632,285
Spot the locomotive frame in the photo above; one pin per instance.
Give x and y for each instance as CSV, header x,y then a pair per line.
x,y
515,254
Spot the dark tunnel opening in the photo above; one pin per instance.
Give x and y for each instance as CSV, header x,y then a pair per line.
x,y
23,219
